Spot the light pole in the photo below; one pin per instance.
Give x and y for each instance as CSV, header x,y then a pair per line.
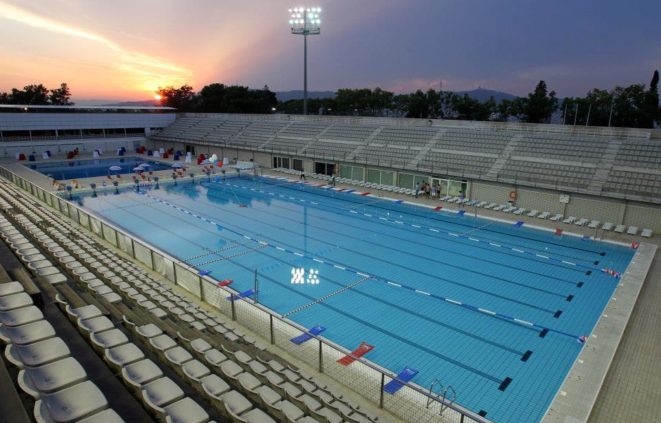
x,y
305,21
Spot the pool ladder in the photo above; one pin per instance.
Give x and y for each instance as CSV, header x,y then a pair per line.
x,y
445,395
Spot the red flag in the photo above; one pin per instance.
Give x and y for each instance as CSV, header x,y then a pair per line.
x,y
220,164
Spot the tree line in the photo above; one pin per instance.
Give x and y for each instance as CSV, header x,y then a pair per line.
x,y
632,106
219,98
38,95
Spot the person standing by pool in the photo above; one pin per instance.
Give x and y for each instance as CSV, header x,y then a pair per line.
x,y
417,189
302,176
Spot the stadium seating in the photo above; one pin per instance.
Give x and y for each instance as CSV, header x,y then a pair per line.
x,y
590,160
184,363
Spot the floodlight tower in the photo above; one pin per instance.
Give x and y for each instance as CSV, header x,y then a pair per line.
x,y
305,21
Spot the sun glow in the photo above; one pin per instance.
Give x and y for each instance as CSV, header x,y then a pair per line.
x,y
141,72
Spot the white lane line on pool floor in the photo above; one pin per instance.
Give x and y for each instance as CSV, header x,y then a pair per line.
x,y
410,288
464,235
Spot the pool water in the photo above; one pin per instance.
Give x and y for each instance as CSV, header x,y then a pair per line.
x,y
431,290
77,169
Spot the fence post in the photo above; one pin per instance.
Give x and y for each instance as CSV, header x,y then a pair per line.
x,y
271,329
201,288
383,380
321,357
233,308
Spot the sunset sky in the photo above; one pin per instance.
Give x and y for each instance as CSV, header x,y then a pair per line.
x,y
124,50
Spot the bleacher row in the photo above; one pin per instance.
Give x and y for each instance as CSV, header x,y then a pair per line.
x,y
399,146
505,208
182,362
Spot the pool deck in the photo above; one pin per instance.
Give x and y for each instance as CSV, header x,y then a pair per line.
x,y
577,395
616,377
631,391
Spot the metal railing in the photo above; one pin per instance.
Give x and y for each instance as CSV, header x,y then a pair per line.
x,y
412,402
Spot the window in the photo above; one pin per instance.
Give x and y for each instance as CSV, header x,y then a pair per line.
x,y
383,177
406,180
351,172
324,168
282,162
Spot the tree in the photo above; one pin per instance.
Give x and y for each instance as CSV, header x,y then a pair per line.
x,y
38,94
35,94
181,98
651,111
628,106
60,96
467,108
538,106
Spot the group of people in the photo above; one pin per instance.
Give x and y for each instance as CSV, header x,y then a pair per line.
x,y
430,191
426,189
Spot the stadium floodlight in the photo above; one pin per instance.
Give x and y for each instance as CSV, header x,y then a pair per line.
x,y
305,21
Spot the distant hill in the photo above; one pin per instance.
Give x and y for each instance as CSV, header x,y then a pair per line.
x,y
482,94
298,95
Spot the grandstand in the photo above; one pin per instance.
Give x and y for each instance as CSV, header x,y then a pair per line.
x,y
90,330
594,166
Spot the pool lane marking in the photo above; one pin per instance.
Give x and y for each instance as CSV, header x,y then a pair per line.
x,y
464,235
291,182
384,330
487,260
495,294
380,279
325,297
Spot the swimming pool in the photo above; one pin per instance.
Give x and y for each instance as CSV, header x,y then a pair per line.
x,y
77,169
434,291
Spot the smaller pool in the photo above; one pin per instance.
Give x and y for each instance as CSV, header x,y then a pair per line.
x,y
77,169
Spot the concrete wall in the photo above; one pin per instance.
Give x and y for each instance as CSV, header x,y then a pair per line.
x,y
590,208
643,216
492,193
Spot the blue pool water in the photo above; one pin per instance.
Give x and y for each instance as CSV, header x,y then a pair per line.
x,y
405,261
77,169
